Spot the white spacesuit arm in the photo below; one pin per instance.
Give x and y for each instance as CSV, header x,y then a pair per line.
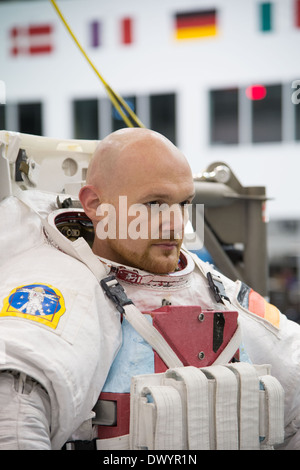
x,y
25,413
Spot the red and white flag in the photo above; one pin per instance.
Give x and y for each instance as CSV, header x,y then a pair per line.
x,y
31,40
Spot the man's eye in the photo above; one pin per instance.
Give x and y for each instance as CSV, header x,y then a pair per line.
x,y
151,203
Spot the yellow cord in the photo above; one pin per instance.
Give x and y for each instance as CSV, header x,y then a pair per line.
x,y
116,100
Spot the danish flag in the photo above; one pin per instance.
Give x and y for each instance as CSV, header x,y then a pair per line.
x,y
32,40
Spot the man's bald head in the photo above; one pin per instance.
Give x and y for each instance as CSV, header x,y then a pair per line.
x,y
106,154
131,151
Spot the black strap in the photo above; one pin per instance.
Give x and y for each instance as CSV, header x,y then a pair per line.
x,y
115,292
217,287
80,445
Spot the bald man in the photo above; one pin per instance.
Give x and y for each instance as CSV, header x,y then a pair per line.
x,y
149,170
54,366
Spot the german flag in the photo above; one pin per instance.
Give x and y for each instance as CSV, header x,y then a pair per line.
x,y
195,24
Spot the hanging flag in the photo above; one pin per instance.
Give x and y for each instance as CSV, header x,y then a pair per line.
x,y
31,40
195,24
297,13
126,31
266,16
95,31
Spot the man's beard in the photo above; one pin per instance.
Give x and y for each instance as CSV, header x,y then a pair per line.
x,y
146,261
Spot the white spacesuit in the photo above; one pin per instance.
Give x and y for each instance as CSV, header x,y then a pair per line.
x,y
267,336
69,351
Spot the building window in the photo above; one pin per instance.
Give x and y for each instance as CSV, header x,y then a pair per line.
x,y
297,121
267,116
85,115
117,120
253,114
30,118
224,116
163,115
2,117
95,119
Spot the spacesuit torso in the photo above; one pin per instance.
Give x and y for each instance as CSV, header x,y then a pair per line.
x,y
267,335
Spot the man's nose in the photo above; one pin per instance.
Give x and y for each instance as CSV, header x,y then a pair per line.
x,y
173,221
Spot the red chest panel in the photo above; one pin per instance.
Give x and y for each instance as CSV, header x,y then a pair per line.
x,y
197,337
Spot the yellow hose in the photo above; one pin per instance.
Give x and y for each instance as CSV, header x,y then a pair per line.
x,y
116,100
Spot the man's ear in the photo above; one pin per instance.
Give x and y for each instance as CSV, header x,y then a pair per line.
x,y
90,201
